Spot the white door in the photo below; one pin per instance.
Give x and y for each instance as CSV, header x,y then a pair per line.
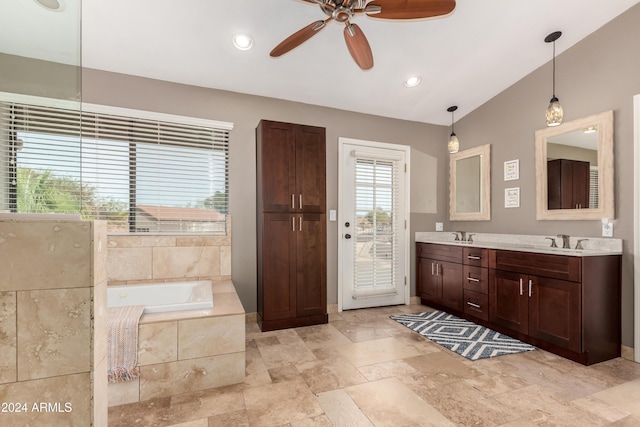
x,y
373,224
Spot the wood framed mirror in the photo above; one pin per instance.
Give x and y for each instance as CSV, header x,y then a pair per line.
x,y
470,184
574,169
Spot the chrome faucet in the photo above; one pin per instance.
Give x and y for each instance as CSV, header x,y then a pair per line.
x,y
566,244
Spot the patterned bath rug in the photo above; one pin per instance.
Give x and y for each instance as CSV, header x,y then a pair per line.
x,y
461,336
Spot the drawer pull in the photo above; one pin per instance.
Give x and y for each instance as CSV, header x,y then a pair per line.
x,y
473,279
473,305
474,257
521,286
530,286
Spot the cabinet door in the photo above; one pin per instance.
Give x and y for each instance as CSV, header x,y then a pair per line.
x,y
509,300
581,184
311,158
429,285
311,275
278,266
276,167
451,278
554,312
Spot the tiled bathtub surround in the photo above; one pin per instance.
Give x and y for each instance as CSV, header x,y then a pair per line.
x,y
52,321
187,351
147,259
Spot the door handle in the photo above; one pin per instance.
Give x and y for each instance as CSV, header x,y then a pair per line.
x,y
347,236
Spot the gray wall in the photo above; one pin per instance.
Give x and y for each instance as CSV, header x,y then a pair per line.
x,y
600,73
428,143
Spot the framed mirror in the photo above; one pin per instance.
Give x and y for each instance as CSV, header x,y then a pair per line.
x,y
574,169
470,184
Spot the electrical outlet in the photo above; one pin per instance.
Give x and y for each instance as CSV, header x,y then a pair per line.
x,y
439,226
607,229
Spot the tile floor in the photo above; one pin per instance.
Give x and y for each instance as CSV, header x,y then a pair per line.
x,y
363,369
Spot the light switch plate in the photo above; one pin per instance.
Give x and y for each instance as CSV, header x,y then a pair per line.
x,y
607,230
439,226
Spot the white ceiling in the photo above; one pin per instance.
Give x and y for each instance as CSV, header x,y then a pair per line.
x,y
465,58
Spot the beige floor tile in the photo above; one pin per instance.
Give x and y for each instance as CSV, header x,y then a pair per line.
x,y
376,351
442,367
280,403
256,372
284,373
203,422
389,402
342,410
322,336
277,356
235,419
630,421
600,408
540,406
329,374
319,421
358,330
461,403
624,396
394,368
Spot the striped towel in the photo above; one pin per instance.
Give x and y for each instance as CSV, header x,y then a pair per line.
x,y
122,335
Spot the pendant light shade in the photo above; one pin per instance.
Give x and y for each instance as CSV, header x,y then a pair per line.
x,y
554,110
453,144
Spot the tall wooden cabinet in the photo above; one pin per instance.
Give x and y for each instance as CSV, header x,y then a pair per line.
x,y
291,225
568,183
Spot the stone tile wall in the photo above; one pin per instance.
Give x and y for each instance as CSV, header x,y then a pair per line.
x,y
53,322
150,259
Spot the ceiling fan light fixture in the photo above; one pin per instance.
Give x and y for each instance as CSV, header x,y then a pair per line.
x,y
412,81
242,41
453,145
554,110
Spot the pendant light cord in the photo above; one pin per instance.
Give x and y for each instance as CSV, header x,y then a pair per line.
x,y
554,69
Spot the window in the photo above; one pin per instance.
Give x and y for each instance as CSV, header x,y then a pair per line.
x,y
142,172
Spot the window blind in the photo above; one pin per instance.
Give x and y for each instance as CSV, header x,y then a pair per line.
x,y
139,174
376,251
593,187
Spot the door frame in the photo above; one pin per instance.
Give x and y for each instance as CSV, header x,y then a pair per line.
x,y
407,204
636,227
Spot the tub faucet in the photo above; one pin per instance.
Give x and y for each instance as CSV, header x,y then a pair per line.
x,y
565,241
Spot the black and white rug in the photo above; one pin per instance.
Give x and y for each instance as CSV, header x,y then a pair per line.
x,y
461,336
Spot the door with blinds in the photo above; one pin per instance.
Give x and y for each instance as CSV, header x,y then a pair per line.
x,y
373,224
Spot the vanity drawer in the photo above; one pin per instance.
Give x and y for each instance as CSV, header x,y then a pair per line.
x,y
561,267
448,253
476,256
476,304
475,279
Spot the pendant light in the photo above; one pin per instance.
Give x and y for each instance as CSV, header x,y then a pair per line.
x,y
554,110
453,144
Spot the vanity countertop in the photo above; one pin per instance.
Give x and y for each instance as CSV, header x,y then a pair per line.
x,y
593,246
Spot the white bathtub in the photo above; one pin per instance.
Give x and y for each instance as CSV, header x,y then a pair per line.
x,y
162,297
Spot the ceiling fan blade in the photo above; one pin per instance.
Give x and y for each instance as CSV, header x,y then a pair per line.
x,y
299,37
358,46
408,9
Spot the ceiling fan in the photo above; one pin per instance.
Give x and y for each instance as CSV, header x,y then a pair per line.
x,y
344,10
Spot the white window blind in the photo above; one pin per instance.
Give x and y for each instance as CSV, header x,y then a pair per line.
x,y
139,174
376,185
593,187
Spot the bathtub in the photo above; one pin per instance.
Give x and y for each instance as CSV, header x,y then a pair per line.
x,y
163,297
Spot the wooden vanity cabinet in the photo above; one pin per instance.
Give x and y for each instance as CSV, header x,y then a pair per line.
x,y
439,276
475,282
565,304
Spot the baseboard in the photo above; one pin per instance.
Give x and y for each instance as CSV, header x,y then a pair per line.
x,y
332,308
251,317
626,352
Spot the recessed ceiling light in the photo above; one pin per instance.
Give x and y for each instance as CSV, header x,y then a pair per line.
x,y
53,5
243,41
412,81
